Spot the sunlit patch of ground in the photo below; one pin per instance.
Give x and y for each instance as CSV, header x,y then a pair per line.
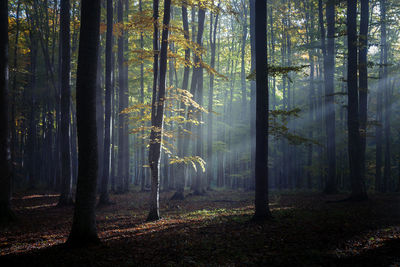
x,y
209,230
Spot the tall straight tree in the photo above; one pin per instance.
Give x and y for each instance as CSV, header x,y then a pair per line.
x,y
384,82
329,68
6,214
363,79
358,191
65,39
157,117
83,229
252,93
121,88
213,37
262,211
180,173
104,197
197,83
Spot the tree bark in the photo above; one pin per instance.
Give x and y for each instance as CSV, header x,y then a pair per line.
x,y
6,214
104,196
83,229
121,117
157,115
66,196
358,191
262,211
363,80
329,71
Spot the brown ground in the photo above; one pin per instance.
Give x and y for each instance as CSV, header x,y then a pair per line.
x,y
211,230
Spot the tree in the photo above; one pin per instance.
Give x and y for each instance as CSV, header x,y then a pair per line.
x,y
363,80
104,197
121,106
83,229
384,86
66,196
157,117
197,88
6,213
180,173
261,169
329,67
358,191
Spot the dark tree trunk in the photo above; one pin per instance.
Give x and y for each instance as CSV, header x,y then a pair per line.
x,y
363,80
198,183
379,99
104,197
252,95
329,70
210,169
84,222
261,169
66,196
157,117
6,214
386,91
121,117
358,191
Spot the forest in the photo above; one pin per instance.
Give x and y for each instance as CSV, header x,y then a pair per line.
x,y
199,133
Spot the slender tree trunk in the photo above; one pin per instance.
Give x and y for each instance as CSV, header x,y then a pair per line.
x,y
66,196
83,229
210,168
358,191
6,214
104,196
199,188
142,147
121,117
363,80
261,169
157,116
386,91
252,95
329,71
183,139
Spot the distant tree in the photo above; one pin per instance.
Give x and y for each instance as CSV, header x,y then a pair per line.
x,y
363,80
121,106
329,68
262,211
157,117
66,196
83,229
358,191
104,197
384,86
6,213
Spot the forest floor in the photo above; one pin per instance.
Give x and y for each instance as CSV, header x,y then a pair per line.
x,y
307,229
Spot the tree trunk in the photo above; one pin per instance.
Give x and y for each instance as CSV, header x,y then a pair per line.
x,y
199,188
157,116
252,95
6,214
104,196
363,80
84,222
261,169
329,71
358,191
121,117
180,170
386,90
66,196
